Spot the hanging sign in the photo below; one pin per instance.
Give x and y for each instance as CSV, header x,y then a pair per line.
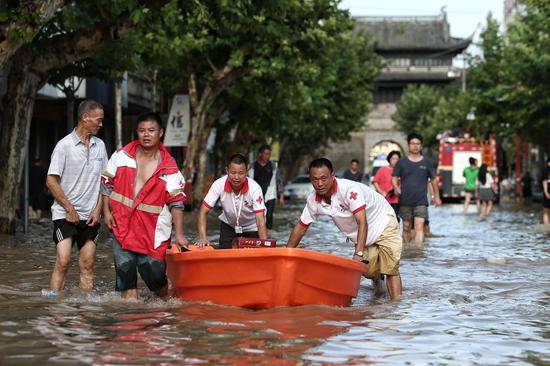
x,y
177,128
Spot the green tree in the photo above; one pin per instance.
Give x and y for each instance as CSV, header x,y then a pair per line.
x,y
526,74
486,83
248,56
319,97
415,111
41,37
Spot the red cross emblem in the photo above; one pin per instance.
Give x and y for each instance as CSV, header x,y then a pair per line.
x,y
353,195
259,200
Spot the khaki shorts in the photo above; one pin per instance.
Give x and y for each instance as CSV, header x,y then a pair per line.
x,y
385,253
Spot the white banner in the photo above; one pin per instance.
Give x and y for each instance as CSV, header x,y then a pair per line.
x,y
177,128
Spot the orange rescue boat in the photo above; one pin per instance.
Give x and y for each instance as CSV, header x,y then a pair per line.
x,y
263,278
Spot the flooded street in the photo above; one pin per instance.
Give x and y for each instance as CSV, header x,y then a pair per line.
x,y
478,293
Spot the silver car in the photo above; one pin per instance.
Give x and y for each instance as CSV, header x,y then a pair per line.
x,y
299,188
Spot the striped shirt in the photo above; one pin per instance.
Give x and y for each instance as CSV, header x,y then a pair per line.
x,y
79,168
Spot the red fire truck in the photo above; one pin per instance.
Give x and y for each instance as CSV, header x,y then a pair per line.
x,y
454,155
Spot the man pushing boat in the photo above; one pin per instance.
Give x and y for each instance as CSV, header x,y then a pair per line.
x,y
143,194
242,204
361,214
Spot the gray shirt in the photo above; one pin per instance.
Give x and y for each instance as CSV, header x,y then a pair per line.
x,y
79,168
414,180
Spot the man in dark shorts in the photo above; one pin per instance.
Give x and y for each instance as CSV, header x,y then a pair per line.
x,y
73,179
410,178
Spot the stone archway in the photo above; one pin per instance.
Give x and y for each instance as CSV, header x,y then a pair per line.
x,y
378,153
382,148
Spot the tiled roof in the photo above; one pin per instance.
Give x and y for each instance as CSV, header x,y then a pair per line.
x,y
411,33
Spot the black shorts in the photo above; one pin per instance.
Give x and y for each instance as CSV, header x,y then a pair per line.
x,y
227,234
81,232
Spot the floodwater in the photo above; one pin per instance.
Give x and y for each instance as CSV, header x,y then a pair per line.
x,y
478,293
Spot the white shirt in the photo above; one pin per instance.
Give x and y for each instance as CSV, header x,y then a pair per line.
x,y
238,209
79,168
348,198
488,181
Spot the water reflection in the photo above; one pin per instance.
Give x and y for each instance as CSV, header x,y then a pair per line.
x,y
177,332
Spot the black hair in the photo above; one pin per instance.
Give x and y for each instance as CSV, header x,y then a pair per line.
x,y
414,136
264,148
238,159
149,116
482,175
472,160
354,161
319,163
392,153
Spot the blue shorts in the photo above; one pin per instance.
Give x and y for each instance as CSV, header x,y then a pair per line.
x,y
128,263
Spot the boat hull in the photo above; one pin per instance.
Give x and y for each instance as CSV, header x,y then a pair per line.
x,y
264,278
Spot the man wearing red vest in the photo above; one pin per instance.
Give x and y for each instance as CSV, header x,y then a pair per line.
x,y
143,194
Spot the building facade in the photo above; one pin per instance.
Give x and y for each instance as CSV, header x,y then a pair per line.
x,y
416,50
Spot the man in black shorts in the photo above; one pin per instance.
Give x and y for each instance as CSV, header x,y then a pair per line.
x,y
73,179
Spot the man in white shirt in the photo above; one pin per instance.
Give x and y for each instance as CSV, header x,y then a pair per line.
x,y
361,214
73,179
242,204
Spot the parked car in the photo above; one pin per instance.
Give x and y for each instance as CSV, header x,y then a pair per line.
x,y
299,188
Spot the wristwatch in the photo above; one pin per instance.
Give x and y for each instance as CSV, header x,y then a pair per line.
x,y
360,253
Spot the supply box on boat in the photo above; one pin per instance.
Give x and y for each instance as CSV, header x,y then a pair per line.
x,y
239,243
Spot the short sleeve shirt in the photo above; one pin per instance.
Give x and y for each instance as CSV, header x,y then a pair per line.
x,y
414,180
471,177
383,179
238,209
348,198
79,168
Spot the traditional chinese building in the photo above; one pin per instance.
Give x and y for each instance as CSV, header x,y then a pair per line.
x,y
416,50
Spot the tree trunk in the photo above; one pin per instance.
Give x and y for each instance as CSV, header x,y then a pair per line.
x,y
15,122
203,115
195,158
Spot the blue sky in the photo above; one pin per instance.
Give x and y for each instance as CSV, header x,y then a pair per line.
x,y
464,16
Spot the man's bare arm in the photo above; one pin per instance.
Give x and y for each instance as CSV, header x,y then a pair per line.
x,y
260,223
177,219
52,182
435,188
395,184
201,226
362,230
296,236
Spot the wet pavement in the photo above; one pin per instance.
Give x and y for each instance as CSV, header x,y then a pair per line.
x,y
478,293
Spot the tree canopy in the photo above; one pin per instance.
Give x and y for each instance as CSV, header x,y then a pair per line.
x,y
507,90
